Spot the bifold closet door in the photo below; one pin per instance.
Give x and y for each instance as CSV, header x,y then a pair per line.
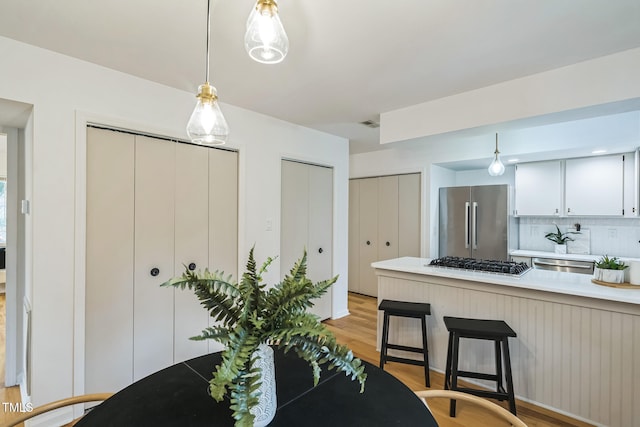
x,y
191,245
320,246
368,234
154,255
387,218
307,223
223,217
354,235
109,262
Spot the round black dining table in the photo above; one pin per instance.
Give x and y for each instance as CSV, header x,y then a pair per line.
x,y
178,397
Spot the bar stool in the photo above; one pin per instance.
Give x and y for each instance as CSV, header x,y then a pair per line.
x,y
414,310
494,330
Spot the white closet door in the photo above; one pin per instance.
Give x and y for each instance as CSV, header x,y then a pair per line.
x,y
191,245
294,214
109,265
368,235
409,215
320,245
354,235
388,217
307,222
223,217
154,255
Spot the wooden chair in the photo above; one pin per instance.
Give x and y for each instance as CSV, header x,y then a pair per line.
x,y
497,410
96,397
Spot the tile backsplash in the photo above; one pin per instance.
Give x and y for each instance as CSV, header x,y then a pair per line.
x,y
608,236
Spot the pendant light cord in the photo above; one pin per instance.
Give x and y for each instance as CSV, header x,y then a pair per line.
x,y
208,37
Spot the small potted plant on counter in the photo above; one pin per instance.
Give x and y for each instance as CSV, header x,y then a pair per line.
x,y
560,239
610,270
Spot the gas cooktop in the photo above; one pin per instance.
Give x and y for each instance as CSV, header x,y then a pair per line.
x,y
491,266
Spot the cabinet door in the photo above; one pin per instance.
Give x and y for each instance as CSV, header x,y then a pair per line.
x,y
109,264
320,244
154,255
388,217
409,215
223,217
630,187
191,245
354,235
594,186
368,234
539,188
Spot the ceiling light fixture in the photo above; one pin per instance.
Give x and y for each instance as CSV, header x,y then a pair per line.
x,y
265,39
496,168
207,125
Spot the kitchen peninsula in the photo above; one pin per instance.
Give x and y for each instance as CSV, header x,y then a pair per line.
x,y
578,346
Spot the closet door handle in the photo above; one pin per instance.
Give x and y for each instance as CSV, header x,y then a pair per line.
x,y
368,242
320,250
388,244
155,271
192,266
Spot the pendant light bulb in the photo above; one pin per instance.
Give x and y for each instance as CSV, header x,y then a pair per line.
x,y
265,39
496,168
207,125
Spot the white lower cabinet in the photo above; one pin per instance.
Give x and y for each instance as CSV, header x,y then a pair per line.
x,y
149,215
307,223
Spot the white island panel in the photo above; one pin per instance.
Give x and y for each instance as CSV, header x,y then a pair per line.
x,y
578,345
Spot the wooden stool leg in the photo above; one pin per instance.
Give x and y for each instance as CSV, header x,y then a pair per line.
x,y
447,368
385,339
507,364
499,386
425,352
454,372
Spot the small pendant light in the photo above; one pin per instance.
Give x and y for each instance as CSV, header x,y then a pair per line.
x,y
265,39
207,125
496,168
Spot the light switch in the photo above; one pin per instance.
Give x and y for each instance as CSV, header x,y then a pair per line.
x,y
269,225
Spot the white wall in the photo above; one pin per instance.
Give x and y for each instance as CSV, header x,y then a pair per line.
x,y
609,79
65,93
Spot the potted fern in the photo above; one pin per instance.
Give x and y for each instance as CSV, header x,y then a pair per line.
x,y
249,320
610,270
560,239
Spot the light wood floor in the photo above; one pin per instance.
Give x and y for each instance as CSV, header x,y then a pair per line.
x,y
358,332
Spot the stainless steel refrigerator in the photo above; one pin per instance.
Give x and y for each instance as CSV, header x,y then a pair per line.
x,y
475,222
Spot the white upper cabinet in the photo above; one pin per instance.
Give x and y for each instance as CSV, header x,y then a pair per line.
x,y
539,188
595,186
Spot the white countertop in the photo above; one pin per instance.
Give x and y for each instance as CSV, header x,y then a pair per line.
x,y
541,280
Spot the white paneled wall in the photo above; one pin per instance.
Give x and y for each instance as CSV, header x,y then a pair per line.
x,y
576,356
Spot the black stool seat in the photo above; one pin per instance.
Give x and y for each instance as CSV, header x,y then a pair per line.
x,y
414,310
493,330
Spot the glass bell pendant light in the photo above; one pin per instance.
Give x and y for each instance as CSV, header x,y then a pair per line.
x,y
207,125
496,168
265,39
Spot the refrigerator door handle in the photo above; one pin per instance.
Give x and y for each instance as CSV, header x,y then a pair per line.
x,y
467,237
474,226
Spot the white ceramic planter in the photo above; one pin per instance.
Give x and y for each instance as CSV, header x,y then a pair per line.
x,y
561,249
267,403
609,276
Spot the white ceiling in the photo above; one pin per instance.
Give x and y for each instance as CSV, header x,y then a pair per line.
x,y
348,62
